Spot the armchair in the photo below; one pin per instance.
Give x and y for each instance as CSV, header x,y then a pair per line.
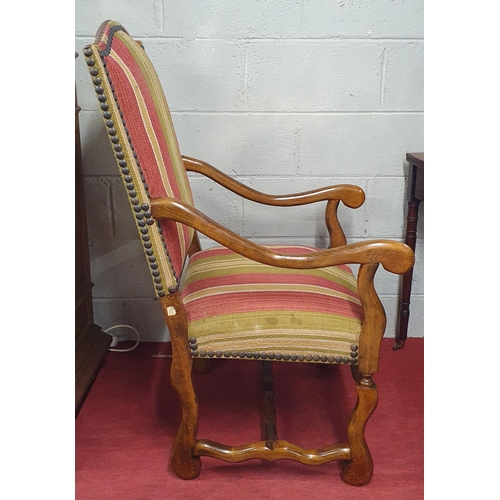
x,y
240,300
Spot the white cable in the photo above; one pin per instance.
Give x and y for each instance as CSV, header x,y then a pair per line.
x,y
123,326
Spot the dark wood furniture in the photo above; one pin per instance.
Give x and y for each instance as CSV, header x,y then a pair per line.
x,y
416,195
91,343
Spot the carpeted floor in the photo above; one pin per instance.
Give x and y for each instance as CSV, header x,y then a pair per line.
x,y
126,425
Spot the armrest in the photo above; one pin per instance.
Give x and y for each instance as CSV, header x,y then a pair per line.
x,y
351,196
395,257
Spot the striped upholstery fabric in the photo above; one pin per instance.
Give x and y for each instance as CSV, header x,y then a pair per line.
x,y
240,308
236,308
140,129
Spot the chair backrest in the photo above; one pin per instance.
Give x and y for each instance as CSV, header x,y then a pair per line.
x,y
141,132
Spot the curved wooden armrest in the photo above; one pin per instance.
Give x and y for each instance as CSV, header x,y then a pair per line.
x,y
352,196
395,257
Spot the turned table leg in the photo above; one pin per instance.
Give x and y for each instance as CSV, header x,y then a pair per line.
x,y
411,238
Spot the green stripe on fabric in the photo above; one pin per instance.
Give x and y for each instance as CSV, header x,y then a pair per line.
x,y
231,265
268,324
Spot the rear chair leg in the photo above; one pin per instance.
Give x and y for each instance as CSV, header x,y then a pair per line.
x,y
359,470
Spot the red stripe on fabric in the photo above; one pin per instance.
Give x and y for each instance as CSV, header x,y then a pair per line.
x,y
278,278
246,302
142,145
154,179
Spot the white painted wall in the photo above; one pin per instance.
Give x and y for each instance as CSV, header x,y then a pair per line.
x,y
283,95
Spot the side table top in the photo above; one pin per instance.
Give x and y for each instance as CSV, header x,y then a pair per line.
x,y
416,159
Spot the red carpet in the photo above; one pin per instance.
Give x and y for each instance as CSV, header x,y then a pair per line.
x,y
126,425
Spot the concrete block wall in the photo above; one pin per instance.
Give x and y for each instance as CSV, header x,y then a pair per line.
x,y
285,96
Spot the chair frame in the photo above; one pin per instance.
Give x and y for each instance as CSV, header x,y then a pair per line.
x,y
395,257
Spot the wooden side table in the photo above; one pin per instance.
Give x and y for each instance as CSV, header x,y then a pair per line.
x,y
416,161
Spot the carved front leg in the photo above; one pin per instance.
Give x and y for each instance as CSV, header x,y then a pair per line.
x,y
359,470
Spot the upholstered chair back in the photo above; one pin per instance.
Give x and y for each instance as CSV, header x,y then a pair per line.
x,y
141,132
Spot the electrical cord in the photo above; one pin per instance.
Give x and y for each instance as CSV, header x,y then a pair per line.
x,y
122,326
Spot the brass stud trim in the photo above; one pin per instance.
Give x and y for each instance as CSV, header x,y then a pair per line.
x,y
314,358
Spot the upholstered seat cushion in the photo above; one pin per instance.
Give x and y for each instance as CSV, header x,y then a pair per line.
x,y
240,308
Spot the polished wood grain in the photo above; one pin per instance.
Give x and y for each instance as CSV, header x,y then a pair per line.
x,y
281,450
352,196
374,322
335,231
358,470
394,256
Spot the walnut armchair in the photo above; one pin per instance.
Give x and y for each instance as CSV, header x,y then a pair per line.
x,y
292,304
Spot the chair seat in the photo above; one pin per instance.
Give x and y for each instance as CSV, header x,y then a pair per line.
x,y
238,308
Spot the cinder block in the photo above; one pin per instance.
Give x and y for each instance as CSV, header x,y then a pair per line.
x,y
243,19
363,144
217,203
98,158
363,19
385,208
98,208
201,75
314,76
404,76
139,18
240,144
119,269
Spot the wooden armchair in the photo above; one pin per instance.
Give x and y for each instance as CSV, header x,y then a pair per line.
x,y
292,304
